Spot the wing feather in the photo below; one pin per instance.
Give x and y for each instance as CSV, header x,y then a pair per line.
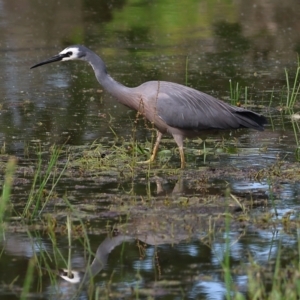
x,y
186,108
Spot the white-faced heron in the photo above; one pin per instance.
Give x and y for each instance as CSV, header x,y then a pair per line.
x,y
173,108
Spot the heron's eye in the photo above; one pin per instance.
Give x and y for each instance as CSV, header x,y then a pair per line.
x,y
69,53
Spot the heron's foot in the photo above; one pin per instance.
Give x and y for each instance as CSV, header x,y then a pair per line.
x,y
148,161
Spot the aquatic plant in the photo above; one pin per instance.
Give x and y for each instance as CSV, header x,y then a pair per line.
x,y
235,93
39,196
7,187
278,282
292,88
296,130
28,279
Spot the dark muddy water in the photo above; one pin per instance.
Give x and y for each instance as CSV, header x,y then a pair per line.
x,y
204,44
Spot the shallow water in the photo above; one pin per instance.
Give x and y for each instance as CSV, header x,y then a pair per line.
x,y
202,44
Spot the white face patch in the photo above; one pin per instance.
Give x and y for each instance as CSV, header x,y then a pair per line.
x,y
75,277
73,51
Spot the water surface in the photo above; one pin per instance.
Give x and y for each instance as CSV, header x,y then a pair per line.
x,y
202,44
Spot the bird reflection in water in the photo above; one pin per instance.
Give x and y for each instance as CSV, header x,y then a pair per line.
x,y
97,264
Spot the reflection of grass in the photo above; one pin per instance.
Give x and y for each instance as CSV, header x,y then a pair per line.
x,y
226,261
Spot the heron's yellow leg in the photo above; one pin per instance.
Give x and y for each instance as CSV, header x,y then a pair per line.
x,y
179,141
154,151
182,159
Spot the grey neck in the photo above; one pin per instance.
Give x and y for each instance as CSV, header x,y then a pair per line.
x,y
116,89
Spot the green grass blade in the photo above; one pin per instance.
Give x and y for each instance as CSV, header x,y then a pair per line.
x,y
7,186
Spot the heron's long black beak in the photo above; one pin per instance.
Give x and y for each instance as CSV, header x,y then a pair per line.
x,y
57,57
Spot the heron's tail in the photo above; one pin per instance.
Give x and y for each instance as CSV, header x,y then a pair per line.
x,y
249,119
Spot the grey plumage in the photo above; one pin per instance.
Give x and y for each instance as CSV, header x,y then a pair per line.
x,y
198,111
173,108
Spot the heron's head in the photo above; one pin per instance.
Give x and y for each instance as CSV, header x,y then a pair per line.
x,y
70,53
